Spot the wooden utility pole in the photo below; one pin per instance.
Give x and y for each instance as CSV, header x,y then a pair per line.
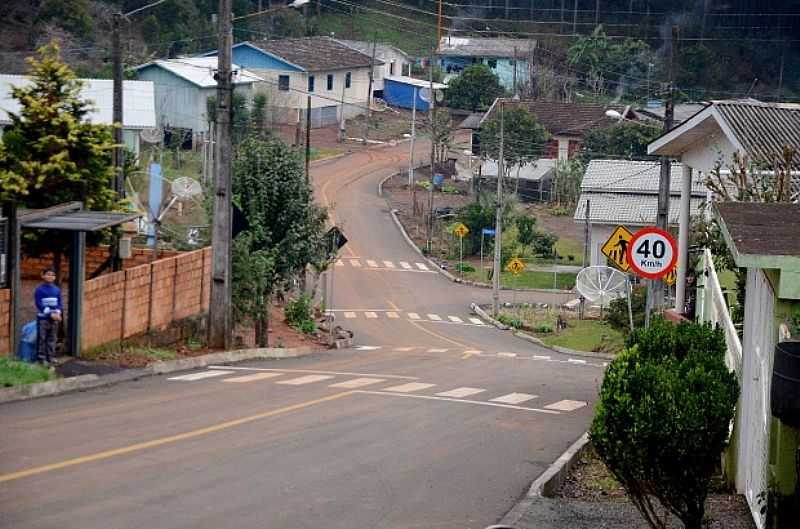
x,y
219,318
439,25
574,17
498,223
117,155
369,91
432,119
308,139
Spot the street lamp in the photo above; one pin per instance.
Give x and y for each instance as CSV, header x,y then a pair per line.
x,y
292,5
613,114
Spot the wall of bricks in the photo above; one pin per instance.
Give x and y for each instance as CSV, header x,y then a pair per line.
x,y
143,298
31,267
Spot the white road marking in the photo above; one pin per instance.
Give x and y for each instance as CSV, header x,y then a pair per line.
x,y
392,315
437,350
507,355
472,352
388,264
367,347
349,315
566,405
514,398
315,371
372,263
476,321
357,383
252,378
408,388
434,317
422,266
576,361
404,349
308,379
201,375
460,393
413,316
541,357
455,319
355,262
370,315
405,265
339,263
462,401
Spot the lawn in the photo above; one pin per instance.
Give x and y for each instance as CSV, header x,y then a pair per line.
x,y
529,279
407,35
322,153
15,373
587,335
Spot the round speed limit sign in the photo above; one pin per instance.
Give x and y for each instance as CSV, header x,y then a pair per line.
x,y
652,253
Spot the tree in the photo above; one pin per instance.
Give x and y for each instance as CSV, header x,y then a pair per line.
x,y
566,187
441,129
285,225
662,421
475,89
524,138
628,139
49,154
71,15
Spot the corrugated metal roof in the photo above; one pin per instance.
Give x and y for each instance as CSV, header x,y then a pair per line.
x,y
200,70
632,176
381,50
629,208
485,47
533,172
420,83
138,101
80,221
315,54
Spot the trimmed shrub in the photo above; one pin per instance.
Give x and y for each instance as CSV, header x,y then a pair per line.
x,y
298,314
464,267
511,321
544,328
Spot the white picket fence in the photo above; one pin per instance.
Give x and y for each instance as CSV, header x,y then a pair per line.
x,y
712,307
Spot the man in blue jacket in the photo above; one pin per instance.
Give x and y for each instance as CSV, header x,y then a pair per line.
x,y
49,308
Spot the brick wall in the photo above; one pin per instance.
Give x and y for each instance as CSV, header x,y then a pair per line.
x,y
133,301
31,267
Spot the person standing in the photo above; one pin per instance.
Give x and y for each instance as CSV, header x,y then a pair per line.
x,y
49,309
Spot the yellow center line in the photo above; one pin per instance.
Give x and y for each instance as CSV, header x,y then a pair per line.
x,y
423,329
166,440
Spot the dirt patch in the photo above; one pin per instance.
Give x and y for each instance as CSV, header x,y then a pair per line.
x,y
562,225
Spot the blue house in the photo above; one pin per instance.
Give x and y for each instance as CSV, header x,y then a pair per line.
x,y
399,91
507,58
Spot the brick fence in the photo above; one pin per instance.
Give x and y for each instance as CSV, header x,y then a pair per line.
x,y
143,298
31,267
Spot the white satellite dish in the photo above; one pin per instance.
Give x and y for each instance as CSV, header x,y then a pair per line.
x,y
439,96
601,284
186,188
425,94
153,135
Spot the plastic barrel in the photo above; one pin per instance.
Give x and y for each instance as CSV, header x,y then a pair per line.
x,y
785,392
438,179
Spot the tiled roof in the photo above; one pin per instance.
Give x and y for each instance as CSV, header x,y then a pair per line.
x,y
485,47
563,119
381,50
200,70
630,209
762,229
316,53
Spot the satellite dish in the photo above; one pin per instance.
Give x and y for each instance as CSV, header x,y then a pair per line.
x,y
601,284
425,94
439,95
151,135
186,188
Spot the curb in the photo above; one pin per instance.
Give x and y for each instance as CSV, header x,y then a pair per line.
x,y
438,268
82,382
563,350
485,315
547,483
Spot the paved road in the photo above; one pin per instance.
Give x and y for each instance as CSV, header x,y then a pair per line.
x,y
426,423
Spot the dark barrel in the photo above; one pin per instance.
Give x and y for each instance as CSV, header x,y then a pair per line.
x,y
785,394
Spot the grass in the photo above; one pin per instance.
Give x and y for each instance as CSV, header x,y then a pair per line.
x,y
566,247
365,25
15,373
530,279
319,154
587,335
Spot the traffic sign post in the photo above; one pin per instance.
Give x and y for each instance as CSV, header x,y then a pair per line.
x,y
490,233
515,266
460,231
652,253
616,248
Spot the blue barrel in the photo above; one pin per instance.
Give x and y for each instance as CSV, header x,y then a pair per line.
x,y
438,179
27,342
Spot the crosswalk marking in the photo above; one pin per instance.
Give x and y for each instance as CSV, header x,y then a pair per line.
x,y
541,357
455,319
413,316
350,315
410,387
434,317
404,349
507,355
438,350
339,263
201,375
308,379
472,352
252,378
514,398
372,263
355,263
422,266
405,265
576,361
357,383
388,264
392,315
460,393
370,315
367,347
566,405
476,321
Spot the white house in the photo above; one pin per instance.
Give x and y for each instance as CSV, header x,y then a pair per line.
x,y
396,62
335,75
183,86
138,104
626,192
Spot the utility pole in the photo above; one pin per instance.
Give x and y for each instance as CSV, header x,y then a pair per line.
x,y
219,318
413,138
369,90
515,94
308,139
587,254
574,16
432,119
117,154
439,25
498,223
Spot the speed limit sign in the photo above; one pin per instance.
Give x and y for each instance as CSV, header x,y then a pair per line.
x,y
652,253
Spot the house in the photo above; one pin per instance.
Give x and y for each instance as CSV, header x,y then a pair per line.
x,y
182,89
531,182
138,104
566,123
335,75
509,59
625,192
763,239
400,91
395,61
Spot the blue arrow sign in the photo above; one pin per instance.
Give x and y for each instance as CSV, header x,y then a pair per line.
x,y
488,231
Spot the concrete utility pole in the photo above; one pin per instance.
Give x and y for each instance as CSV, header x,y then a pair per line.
x,y
369,91
219,318
432,118
308,139
498,223
413,138
439,24
117,155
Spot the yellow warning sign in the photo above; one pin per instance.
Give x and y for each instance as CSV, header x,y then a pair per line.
x,y
616,247
672,276
460,230
515,266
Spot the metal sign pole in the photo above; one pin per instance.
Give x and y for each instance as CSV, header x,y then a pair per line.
x,y
481,271
461,256
630,295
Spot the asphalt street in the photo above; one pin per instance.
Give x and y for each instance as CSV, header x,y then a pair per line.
x,y
426,423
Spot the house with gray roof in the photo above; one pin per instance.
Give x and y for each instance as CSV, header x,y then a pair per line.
x,y
625,192
391,61
509,59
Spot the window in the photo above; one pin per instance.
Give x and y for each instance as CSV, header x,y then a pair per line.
x,y
330,81
391,68
492,63
348,79
283,83
310,83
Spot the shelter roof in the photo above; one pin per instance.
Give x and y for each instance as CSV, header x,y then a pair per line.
x,y
69,217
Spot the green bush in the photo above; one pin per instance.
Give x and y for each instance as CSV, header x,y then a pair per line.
x,y
298,314
544,243
447,188
544,328
511,321
617,315
464,267
424,184
662,420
